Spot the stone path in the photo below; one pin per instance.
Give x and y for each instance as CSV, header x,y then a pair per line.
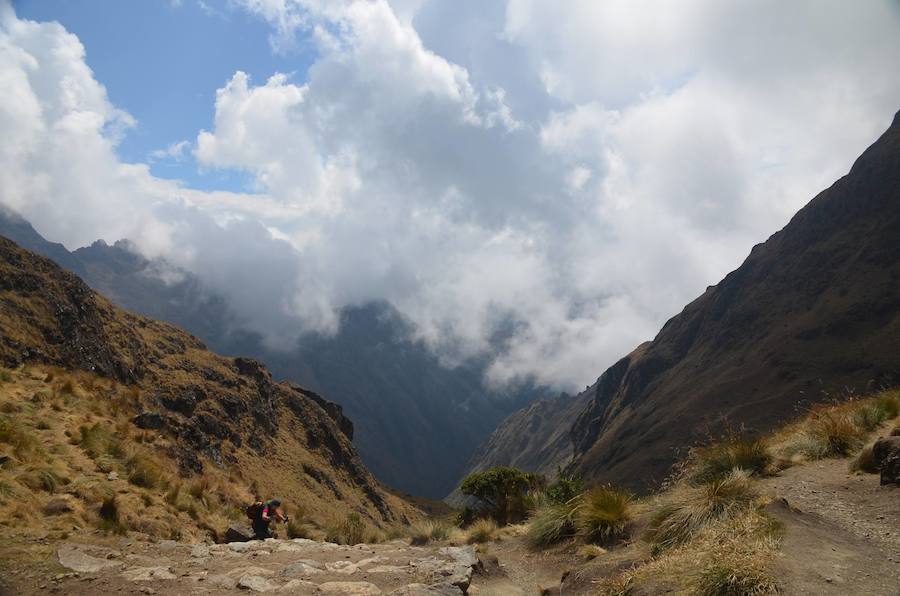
x,y
278,566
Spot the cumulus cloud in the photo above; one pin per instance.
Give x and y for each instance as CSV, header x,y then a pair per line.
x,y
540,183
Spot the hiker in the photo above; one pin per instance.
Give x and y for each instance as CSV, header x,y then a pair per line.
x,y
261,514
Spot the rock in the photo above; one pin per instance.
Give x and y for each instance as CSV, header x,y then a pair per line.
x,y
423,590
256,583
167,546
200,551
238,533
143,574
240,547
112,476
386,569
4,459
221,581
302,568
886,452
298,586
57,507
149,420
342,567
244,571
75,559
350,588
464,555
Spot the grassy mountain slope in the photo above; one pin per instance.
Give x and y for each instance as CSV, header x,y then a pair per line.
x,y
210,413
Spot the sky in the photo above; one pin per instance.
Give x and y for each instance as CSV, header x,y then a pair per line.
x,y
562,176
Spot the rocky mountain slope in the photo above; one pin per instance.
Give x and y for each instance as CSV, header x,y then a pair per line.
x,y
209,412
417,422
811,313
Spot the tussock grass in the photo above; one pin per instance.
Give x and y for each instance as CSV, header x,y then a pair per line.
x,y
5,376
110,521
717,461
483,530
350,531
691,509
143,471
25,446
427,531
43,479
298,528
551,524
865,461
603,515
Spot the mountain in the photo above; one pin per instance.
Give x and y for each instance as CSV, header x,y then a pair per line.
x,y
209,411
417,421
811,313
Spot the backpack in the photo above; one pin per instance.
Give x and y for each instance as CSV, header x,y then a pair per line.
x,y
254,511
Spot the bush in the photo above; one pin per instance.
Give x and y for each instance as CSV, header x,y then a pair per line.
x,y
551,524
677,522
426,531
603,515
483,530
563,489
503,490
717,461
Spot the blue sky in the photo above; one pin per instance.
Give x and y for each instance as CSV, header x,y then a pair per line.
x,y
162,62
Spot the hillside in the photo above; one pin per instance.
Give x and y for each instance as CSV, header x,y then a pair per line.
x,y
206,413
417,422
813,312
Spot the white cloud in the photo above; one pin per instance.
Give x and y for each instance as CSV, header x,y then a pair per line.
x,y
543,182
176,151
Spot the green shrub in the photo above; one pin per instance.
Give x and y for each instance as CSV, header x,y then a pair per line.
x,y
603,515
551,524
717,461
427,531
503,490
483,530
563,489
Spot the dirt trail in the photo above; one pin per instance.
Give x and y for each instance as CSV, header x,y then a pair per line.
x,y
842,531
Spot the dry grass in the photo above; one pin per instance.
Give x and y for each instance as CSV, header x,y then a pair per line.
x,y
352,530
717,461
429,530
603,515
483,530
551,524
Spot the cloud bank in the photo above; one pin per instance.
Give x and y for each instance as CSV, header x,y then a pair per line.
x,y
540,183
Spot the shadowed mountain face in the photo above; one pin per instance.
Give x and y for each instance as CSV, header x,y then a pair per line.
x,y
812,312
416,422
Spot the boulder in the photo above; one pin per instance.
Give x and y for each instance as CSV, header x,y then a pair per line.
x,y
256,583
238,533
886,453
149,420
200,551
57,507
72,557
302,568
298,586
